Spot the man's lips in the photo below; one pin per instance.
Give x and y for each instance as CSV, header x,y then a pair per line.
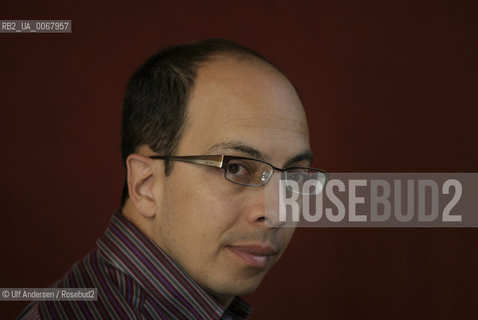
x,y
254,255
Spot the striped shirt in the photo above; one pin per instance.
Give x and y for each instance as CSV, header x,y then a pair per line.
x,y
135,280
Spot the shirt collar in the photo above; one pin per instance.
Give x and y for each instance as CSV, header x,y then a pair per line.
x,y
131,251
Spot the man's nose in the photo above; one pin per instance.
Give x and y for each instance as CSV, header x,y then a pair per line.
x,y
264,209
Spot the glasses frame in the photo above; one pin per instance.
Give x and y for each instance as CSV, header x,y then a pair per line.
x,y
221,161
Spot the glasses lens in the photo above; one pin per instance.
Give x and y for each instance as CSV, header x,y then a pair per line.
x,y
305,180
248,172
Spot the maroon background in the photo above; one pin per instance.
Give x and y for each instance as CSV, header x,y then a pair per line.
x,y
387,85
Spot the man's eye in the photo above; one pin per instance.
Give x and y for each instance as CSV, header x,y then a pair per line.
x,y
299,177
235,168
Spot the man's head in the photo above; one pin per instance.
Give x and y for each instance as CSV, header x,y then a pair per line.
x,y
208,98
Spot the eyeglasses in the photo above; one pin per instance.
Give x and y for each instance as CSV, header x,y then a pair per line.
x,y
252,172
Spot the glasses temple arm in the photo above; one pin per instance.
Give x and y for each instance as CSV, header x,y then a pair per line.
x,y
211,161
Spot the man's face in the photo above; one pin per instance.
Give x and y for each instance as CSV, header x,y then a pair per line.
x,y
213,228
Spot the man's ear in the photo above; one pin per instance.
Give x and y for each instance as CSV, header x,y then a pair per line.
x,y
141,180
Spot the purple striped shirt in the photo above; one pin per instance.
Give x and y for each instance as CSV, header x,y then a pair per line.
x,y
135,280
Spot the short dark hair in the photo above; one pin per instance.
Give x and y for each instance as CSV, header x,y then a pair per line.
x,y
155,103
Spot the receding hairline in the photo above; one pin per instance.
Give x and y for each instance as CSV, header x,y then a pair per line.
x,y
253,59
241,56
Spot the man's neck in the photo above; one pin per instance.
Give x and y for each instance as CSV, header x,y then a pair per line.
x,y
129,212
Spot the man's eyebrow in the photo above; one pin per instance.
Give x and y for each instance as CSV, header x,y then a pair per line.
x,y
238,146
306,155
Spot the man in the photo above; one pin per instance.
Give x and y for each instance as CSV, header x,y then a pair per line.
x,y
202,125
